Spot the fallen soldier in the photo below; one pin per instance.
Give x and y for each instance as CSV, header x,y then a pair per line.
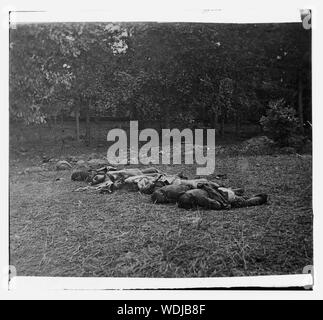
x,y
218,199
171,193
89,175
126,173
205,194
148,183
108,179
168,188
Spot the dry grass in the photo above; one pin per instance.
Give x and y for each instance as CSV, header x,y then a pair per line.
x,y
57,232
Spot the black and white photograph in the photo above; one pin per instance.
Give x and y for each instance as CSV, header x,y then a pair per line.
x,y
160,149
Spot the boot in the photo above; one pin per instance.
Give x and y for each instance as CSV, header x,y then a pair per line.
x,y
257,200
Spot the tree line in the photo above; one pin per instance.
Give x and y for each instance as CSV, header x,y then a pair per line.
x,y
205,74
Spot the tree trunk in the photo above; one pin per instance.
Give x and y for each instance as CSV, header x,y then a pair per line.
x,y
77,121
300,103
222,126
88,126
237,124
216,121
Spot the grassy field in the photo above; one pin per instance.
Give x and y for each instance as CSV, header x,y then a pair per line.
x,y
57,232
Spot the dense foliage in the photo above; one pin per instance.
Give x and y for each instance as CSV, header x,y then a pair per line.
x,y
209,73
281,123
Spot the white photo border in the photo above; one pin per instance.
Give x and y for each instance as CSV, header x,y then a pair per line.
x,y
272,11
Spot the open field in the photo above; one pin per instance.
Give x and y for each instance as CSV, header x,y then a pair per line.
x,y
57,232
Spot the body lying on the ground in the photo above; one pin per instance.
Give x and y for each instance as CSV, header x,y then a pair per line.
x,y
168,188
108,179
207,195
218,199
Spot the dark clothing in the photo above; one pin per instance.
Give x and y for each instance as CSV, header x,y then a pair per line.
x,y
214,193
82,176
198,198
210,196
257,200
169,194
168,188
